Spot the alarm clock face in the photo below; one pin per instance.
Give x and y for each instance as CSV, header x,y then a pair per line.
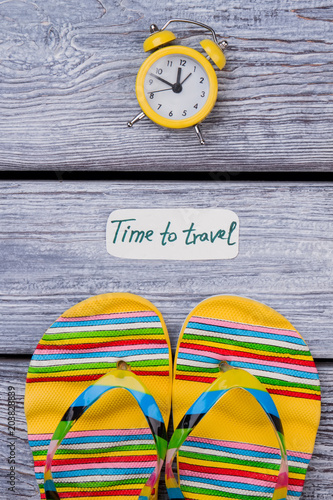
x,y
176,87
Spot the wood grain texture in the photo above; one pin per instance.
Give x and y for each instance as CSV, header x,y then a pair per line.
x,y
67,75
318,484
53,253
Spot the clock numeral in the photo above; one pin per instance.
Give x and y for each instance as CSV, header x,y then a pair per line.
x,y
159,106
196,106
203,93
194,69
169,63
184,113
159,71
171,113
182,62
151,81
151,95
202,79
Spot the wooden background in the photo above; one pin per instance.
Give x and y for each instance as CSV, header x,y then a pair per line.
x,y
67,75
53,254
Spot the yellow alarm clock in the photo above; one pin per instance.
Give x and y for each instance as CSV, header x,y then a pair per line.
x,y
176,86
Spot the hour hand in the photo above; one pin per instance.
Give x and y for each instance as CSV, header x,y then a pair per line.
x,y
161,79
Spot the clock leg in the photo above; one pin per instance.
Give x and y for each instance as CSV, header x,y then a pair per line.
x,y
199,134
136,119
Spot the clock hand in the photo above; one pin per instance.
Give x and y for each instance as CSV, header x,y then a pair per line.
x,y
179,72
188,76
161,79
154,91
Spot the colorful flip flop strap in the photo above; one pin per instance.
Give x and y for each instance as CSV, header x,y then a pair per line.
x,y
229,378
115,379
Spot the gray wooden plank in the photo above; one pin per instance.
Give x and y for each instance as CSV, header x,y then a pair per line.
x,y
67,73
53,255
318,483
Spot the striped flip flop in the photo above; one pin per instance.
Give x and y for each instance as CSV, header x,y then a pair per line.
x,y
89,437
226,445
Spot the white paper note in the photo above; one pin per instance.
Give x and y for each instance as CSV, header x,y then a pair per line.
x,y
173,234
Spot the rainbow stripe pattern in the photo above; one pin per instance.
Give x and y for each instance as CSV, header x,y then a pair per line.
x,y
231,378
115,379
83,349
109,462
279,358
240,470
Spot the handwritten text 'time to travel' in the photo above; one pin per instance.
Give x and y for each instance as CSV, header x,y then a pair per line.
x,y
173,234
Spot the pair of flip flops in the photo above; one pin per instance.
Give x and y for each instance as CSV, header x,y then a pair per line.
x,y
244,389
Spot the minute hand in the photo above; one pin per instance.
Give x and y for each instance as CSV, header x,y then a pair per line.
x,y
162,79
